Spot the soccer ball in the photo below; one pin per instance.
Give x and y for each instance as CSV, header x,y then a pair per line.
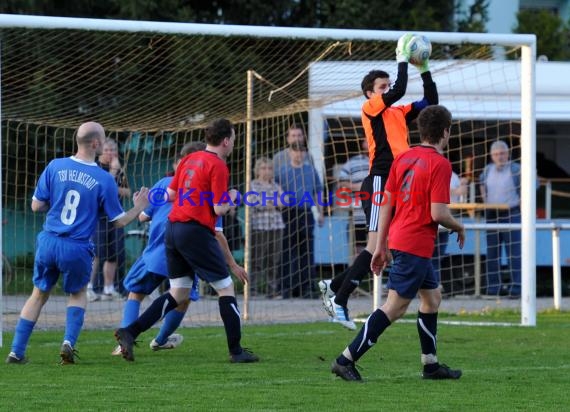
x,y
420,48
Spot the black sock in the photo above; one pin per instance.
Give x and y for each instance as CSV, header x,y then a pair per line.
x,y
343,360
427,330
232,323
156,311
336,282
359,269
376,323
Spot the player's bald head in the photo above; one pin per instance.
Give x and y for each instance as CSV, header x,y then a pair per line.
x,y
88,132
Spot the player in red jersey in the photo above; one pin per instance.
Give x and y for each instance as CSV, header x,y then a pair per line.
x,y
200,193
386,130
417,194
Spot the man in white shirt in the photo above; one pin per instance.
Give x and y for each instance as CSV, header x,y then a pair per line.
x,y
500,183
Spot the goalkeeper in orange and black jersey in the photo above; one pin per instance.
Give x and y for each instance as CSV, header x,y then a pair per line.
x,y
386,131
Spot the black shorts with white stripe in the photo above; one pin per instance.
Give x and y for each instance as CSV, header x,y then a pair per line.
x,y
374,186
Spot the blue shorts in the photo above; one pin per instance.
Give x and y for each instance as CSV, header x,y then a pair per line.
x,y
192,249
55,255
410,273
139,280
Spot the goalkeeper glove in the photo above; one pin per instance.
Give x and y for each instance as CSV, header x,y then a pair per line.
x,y
423,66
403,51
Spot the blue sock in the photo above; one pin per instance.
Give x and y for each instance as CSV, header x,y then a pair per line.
x,y
73,324
130,312
171,322
22,335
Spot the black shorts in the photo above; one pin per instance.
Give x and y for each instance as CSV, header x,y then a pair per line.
x,y
374,186
192,249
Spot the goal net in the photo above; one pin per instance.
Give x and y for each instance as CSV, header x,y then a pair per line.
x,y
154,86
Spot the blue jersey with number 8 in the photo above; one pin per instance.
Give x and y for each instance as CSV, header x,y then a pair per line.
x,y
78,193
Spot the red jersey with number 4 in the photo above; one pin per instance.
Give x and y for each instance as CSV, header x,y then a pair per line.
x,y
200,182
418,178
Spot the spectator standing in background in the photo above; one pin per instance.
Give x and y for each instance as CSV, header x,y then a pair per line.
x,y
266,229
300,179
109,240
500,183
295,134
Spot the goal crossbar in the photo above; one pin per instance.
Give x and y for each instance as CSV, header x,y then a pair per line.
x,y
73,23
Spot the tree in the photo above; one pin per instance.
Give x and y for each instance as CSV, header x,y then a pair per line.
x,y
476,19
63,8
435,15
551,33
425,15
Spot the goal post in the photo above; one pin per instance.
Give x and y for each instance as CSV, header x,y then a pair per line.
x,y
154,86
523,89
528,177
2,263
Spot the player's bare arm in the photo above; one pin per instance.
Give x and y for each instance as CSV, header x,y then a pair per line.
x,y
143,217
140,200
171,194
39,206
224,208
440,214
381,256
236,269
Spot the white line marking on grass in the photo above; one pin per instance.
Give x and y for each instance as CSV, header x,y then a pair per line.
x,y
455,322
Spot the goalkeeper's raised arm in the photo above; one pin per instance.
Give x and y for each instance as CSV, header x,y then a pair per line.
x,y
431,97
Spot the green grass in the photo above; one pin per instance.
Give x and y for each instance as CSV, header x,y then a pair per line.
x,y
504,368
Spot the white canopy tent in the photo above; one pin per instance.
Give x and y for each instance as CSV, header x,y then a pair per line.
x,y
472,90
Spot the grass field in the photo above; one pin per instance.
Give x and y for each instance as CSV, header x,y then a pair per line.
x,y
504,369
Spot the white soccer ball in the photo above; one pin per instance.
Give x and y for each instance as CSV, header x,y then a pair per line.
x,y
420,48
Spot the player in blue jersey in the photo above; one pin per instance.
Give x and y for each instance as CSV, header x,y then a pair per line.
x,y
73,191
150,269
191,244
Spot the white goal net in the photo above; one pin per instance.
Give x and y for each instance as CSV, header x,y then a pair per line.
x,y
154,86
